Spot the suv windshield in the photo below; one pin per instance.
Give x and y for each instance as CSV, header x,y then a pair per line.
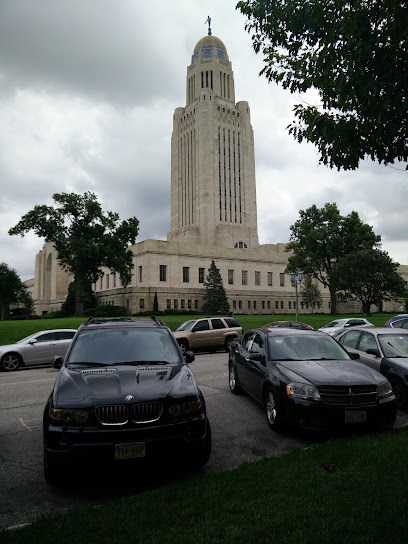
x,y
186,325
300,348
119,345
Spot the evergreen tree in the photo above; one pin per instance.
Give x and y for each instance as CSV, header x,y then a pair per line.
x,y
88,298
155,303
215,298
310,293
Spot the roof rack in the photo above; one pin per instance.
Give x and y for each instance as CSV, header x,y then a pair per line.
x,y
157,320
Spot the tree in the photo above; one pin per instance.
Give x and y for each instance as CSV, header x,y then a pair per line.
x,y
310,293
88,298
354,54
155,303
369,276
321,237
215,298
12,291
85,238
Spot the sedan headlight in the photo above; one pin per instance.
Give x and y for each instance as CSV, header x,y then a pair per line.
x,y
302,391
385,390
68,416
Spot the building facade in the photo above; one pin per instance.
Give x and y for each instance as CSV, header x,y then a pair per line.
x,y
213,214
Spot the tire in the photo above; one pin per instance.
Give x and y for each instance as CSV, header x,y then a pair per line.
x,y
10,362
183,346
273,411
227,343
232,379
400,391
51,470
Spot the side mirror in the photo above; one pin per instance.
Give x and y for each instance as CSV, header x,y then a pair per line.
x,y
189,356
57,362
354,355
255,357
373,351
33,341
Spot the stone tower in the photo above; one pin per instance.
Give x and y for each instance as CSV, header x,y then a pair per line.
x,y
213,193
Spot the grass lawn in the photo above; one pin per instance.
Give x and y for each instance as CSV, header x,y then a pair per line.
x,y
345,491
11,331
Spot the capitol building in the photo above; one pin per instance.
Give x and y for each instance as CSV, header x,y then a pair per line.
x,y
213,215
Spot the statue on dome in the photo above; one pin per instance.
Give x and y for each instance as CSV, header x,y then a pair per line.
x,y
209,25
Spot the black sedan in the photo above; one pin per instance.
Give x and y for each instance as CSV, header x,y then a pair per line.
x,y
124,392
305,379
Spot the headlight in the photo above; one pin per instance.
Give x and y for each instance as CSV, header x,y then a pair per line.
x,y
66,416
185,409
302,391
384,390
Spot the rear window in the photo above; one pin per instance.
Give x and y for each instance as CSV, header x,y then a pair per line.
x,y
231,322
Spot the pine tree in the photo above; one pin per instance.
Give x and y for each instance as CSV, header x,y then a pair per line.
x,y
215,298
310,293
155,303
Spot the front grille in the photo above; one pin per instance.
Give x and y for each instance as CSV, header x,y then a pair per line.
x,y
146,412
356,395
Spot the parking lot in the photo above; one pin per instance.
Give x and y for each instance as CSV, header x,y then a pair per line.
x,y
240,433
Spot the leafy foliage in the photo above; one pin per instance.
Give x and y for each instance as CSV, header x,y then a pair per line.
x,y
215,297
88,298
12,291
310,293
321,237
155,303
354,54
370,277
86,238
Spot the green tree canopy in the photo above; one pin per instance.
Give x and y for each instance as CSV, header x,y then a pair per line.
x,y
12,291
369,276
85,238
354,53
310,293
321,237
215,297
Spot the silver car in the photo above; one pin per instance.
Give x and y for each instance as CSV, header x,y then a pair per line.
x,y
336,327
385,350
37,349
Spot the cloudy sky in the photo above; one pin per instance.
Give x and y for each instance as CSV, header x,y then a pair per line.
x,y
87,94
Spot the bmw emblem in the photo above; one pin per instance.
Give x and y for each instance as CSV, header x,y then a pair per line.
x,y
129,397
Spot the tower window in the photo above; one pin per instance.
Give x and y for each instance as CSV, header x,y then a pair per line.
x,y
163,272
240,245
186,274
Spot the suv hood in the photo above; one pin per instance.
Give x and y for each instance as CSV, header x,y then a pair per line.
x,y
111,384
331,372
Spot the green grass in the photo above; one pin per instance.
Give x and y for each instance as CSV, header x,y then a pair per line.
x,y
11,331
344,491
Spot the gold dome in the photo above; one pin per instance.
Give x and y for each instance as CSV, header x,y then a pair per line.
x,y
210,40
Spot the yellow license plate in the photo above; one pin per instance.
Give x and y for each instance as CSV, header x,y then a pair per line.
x,y
356,417
131,450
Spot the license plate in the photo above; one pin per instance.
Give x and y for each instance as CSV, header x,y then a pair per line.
x,y
130,451
355,417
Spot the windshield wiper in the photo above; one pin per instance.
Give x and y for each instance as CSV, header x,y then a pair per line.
x,y
90,363
141,363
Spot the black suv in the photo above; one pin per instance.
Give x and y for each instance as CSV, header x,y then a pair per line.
x,y
124,391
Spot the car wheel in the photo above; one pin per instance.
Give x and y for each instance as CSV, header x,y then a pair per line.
x,y
227,343
183,346
51,470
273,411
233,380
11,361
400,391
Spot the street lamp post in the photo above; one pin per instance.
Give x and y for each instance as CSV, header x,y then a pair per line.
x,y
296,279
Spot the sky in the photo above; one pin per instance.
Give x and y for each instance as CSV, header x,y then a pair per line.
x,y
87,95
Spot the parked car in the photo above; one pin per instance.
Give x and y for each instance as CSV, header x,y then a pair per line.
x,y
336,327
398,321
385,350
124,391
37,349
305,379
207,333
290,324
